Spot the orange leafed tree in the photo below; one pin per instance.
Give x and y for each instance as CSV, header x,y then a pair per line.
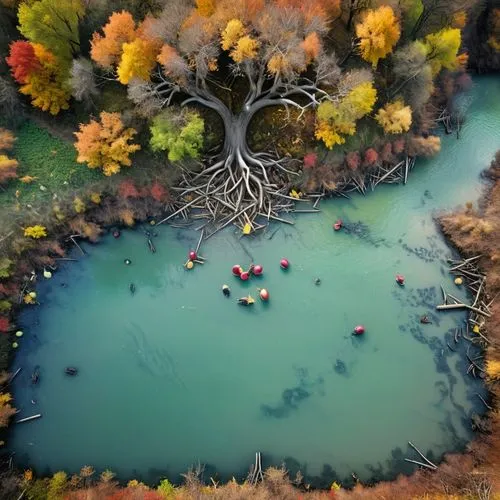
x,y
8,166
378,33
105,144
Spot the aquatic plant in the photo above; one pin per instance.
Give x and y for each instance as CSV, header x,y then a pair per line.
x,y
35,232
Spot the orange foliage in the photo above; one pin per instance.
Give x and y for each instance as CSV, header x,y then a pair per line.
x,y
7,139
106,50
8,168
105,144
311,46
158,192
205,8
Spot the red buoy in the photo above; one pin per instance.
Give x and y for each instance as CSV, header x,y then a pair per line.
x,y
244,275
237,270
264,295
359,330
400,279
338,225
192,255
284,264
258,270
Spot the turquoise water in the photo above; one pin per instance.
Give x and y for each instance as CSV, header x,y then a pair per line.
x,y
178,374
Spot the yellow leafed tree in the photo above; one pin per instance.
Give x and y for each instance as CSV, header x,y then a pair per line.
x,y
246,48
233,31
105,144
336,120
394,117
442,49
378,33
137,61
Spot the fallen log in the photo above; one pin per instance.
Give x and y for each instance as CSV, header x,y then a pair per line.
x,y
444,307
27,419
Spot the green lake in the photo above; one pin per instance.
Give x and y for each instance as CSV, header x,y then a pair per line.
x,y
178,374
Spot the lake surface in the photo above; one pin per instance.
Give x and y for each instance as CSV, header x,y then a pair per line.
x,y
179,374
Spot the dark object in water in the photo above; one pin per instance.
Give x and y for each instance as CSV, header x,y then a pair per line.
x,y
35,376
71,370
64,285
226,290
132,288
317,281
338,225
425,320
116,233
340,367
246,301
127,262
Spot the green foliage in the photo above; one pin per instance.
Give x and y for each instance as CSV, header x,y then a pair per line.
x,y
57,485
52,23
166,489
51,161
179,134
5,264
5,305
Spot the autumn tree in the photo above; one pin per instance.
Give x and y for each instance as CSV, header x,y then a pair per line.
x,y
442,49
52,23
105,144
275,45
394,117
338,119
22,61
6,409
181,134
378,33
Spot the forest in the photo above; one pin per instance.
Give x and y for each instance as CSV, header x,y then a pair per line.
x,y
115,112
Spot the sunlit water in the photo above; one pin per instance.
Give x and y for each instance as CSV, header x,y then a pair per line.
x,y
179,374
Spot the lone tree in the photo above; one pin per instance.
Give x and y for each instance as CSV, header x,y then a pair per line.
x,y
275,45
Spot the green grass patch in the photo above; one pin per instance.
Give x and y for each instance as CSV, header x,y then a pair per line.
x,y
51,161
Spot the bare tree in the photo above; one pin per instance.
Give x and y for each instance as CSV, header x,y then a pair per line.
x,y
82,81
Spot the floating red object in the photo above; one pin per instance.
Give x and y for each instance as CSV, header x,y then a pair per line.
x,y
338,225
284,264
400,279
244,276
237,270
264,294
192,255
359,330
257,270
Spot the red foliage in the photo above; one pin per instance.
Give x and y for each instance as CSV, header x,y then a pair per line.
x,y
127,189
310,160
8,289
398,146
353,160
158,192
22,60
4,324
371,157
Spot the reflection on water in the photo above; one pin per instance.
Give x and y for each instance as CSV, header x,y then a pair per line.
x,y
176,373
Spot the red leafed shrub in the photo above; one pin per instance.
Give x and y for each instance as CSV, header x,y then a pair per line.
x,y
127,189
398,146
22,60
310,160
353,160
158,192
8,289
4,325
371,157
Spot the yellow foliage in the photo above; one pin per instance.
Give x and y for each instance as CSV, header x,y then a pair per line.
x,y
246,48
394,118
205,8
378,33
28,475
28,299
442,49
137,61
78,205
493,369
95,198
247,228
5,398
233,31
335,120
48,86
35,232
